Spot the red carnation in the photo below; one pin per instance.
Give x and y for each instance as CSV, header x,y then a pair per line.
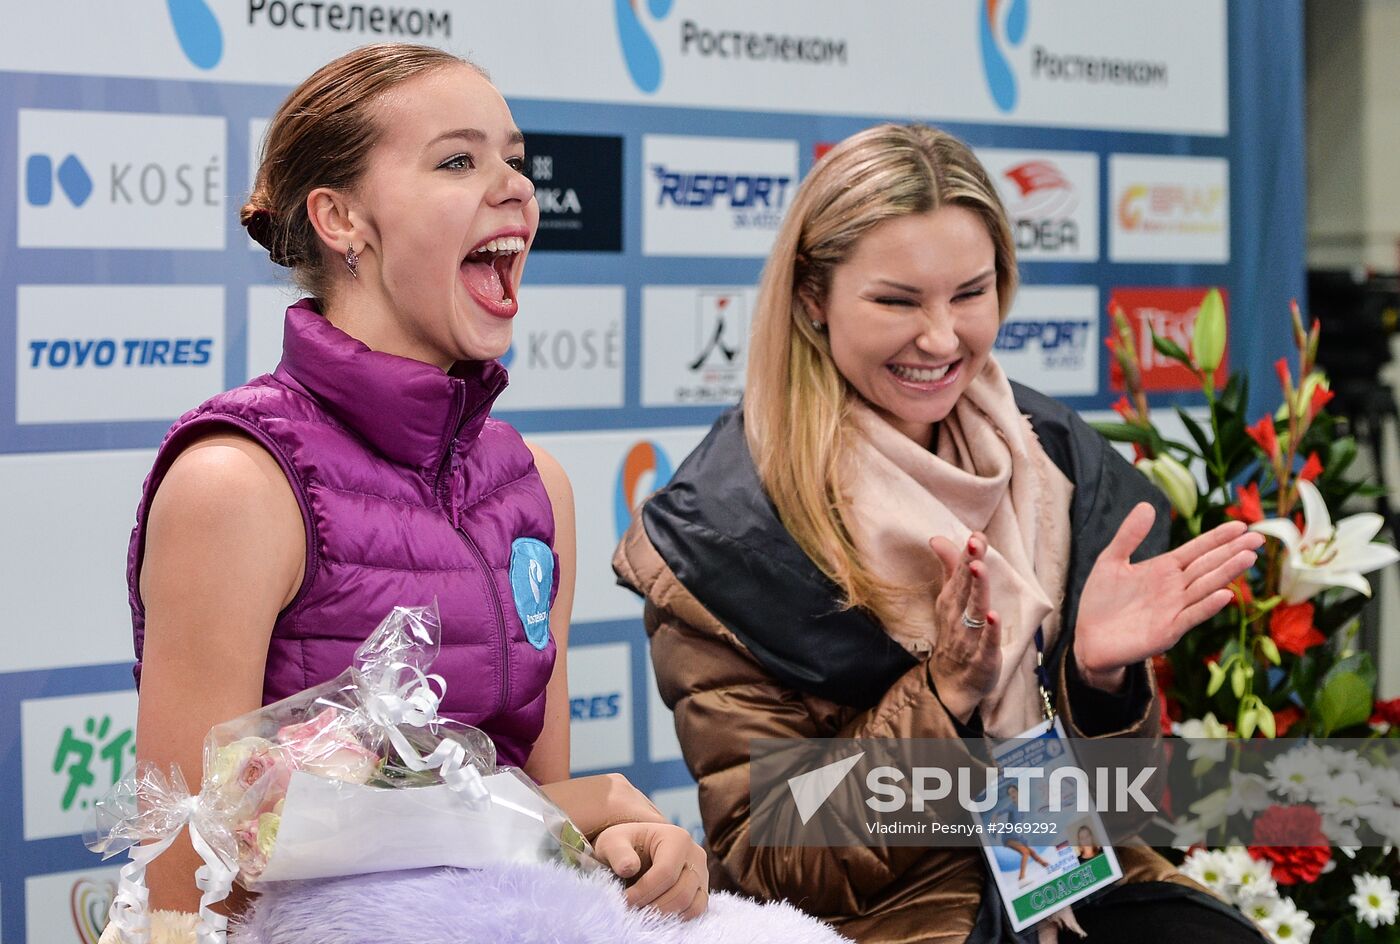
x,y
1292,630
1386,712
1291,838
1248,506
1311,469
1264,434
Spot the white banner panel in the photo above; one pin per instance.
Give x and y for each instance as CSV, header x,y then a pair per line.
x,y
98,493
612,472
1084,63
681,805
1052,199
93,353
600,706
695,341
267,311
74,750
1050,340
714,196
567,351
1168,209
69,907
662,742
98,180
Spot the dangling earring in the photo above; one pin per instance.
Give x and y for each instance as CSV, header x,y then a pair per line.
x,y
352,261
818,326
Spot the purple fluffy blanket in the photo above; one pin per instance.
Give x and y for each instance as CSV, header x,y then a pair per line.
x,y
516,904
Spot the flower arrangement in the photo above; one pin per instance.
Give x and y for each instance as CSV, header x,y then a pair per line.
x,y
1281,659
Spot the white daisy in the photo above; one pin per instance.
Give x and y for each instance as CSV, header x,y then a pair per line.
x,y
1249,794
1375,901
1250,877
1293,774
1287,924
1210,867
1260,908
1346,797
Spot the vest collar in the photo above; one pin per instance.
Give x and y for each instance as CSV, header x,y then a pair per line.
x,y
409,411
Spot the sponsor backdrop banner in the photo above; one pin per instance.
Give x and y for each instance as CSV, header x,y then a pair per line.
x,y
1144,151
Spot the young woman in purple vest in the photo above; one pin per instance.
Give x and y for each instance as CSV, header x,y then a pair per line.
x,y
285,518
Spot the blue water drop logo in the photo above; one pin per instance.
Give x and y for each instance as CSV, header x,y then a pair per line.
x,y
638,48
1001,81
198,31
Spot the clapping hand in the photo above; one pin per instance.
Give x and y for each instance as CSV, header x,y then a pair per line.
x,y
1129,612
966,656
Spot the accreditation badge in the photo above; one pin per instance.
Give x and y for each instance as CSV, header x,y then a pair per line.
x,y
1040,831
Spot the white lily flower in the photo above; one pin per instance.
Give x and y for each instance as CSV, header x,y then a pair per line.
x,y
1325,556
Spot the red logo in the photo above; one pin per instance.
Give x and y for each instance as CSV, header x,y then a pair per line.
x,y
1171,313
1041,188
820,148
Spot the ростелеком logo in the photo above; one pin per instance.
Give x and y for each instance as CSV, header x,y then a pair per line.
x,y
644,469
638,48
531,580
1001,81
198,32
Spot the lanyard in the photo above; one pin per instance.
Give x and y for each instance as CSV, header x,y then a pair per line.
x,y
1042,675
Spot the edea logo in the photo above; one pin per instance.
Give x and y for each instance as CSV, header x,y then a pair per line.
x,y
644,469
73,180
638,48
198,32
996,67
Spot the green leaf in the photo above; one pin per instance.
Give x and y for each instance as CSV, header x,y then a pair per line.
x,y
1169,348
1195,430
1125,432
1343,701
1340,454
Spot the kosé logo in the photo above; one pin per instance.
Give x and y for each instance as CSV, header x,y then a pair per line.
x,y
113,353
1052,200
568,349
695,344
127,181
715,196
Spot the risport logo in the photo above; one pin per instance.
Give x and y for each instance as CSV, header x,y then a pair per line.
x,y
73,180
88,903
638,48
644,469
198,32
996,67
531,579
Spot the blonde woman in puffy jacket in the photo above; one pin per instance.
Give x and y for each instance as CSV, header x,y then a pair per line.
x,y
867,547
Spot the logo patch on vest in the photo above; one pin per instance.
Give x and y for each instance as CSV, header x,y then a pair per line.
x,y
531,578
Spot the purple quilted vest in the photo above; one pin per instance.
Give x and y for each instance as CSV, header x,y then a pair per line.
x,y
409,491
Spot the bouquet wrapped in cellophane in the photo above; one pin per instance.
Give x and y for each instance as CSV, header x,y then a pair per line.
x,y
356,775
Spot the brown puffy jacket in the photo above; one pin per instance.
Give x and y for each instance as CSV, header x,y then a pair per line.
x,y
724,692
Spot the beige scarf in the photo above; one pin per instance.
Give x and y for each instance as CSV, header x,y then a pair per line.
x,y
989,474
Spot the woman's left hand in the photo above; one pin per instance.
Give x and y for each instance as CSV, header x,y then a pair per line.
x,y
665,867
1129,612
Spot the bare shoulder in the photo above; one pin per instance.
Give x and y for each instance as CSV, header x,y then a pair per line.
x,y
226,496
556,480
